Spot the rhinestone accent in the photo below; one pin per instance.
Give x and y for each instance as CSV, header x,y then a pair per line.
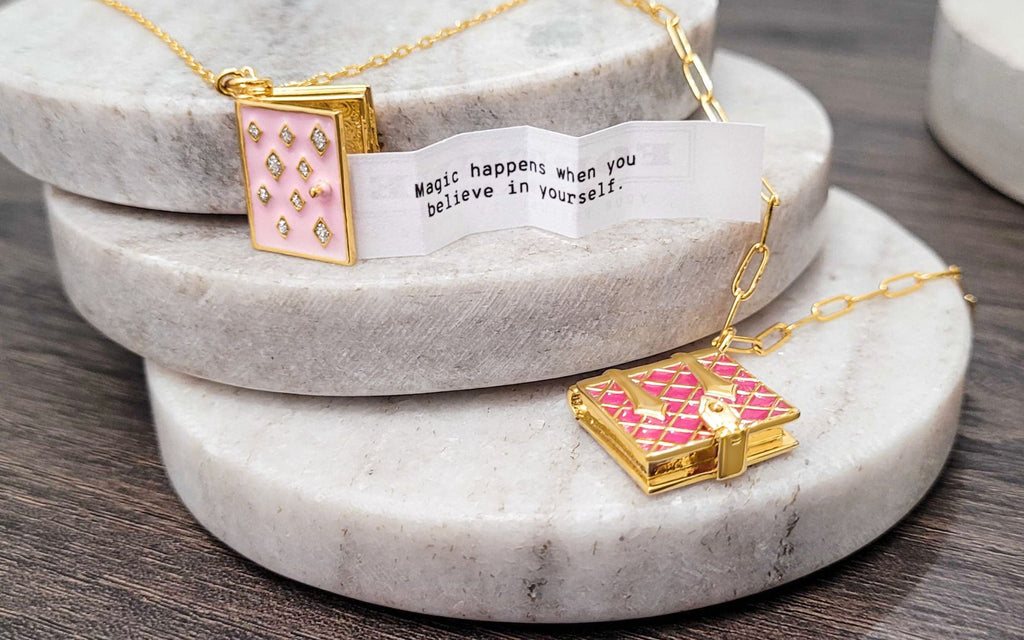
x,y
287,136
304,169
254,132
322,233
319,139
274,165
263,194
296,200
282,227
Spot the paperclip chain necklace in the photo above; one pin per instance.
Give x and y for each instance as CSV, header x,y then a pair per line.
x,y
727,417
702,88
701,415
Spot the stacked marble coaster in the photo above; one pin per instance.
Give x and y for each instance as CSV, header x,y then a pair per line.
x,y
976,89
397,431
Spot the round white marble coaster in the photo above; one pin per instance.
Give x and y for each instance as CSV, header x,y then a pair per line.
x,y
491,309
976,92
98,106
496,505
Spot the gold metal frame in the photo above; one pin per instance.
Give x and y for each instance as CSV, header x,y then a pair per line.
x,y
683,464
352,104
350,108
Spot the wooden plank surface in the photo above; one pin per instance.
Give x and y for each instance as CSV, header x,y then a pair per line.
x,y
93,542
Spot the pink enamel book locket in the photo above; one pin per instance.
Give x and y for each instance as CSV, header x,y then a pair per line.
x,y
691,417
294,146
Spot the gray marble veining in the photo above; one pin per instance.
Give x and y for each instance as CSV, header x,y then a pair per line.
x,y
498,308
496,505
96,105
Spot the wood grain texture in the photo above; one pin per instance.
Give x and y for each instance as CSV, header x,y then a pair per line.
x,y
94,544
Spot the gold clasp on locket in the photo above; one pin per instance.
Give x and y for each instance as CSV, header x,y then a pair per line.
x,y
729,433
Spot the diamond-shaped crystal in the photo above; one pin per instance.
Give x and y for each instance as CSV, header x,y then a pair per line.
x,y
263,194
274,165
254,132
304,168
287,136
297,200
319,139
323,234
282,227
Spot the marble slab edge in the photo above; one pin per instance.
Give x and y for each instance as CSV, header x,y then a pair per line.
x,y
119,118
495,505
491,309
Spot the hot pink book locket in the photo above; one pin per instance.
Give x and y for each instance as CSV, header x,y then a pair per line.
x,y
691,417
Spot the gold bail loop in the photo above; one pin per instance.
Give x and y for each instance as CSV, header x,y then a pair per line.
x,y
244,82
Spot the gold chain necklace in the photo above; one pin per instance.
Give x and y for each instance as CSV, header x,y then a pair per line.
x,y
701,415
324,77
318,124
691,417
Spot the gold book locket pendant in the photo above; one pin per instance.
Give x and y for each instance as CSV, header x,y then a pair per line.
x,y
294,144
691,417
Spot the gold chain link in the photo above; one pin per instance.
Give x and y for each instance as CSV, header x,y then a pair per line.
x,y
744,283
829,309
380,60
197,67
324,77
703,89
